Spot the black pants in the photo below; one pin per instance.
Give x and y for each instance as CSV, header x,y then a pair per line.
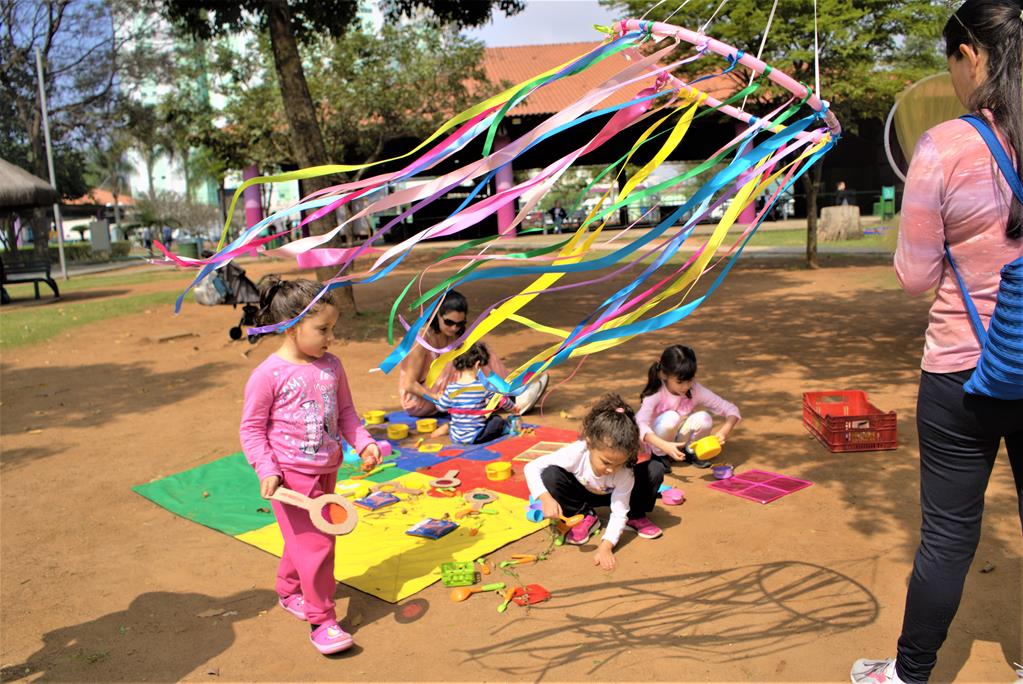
x,y
574,498
492,429
959,438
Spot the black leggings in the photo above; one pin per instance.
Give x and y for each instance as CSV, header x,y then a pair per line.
x,y
959,438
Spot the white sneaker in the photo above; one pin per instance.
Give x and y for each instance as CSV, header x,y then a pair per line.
x,y
534,390
866,671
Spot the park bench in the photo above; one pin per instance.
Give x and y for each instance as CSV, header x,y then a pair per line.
x,y
34,271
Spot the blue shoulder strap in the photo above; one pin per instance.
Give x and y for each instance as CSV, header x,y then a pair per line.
x,y
1002,159
998,152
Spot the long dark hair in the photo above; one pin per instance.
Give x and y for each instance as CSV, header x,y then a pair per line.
x,y
677,361
281,300
453,301
996,26
611,424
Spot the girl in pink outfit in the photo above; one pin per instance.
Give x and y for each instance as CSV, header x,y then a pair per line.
x,y
956,194
669,420
298,407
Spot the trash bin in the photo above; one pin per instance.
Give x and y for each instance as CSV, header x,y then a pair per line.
x,y
188,248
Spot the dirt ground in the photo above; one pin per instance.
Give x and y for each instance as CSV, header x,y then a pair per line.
x,y
99,584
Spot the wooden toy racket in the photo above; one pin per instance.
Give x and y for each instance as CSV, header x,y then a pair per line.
x,y
342,514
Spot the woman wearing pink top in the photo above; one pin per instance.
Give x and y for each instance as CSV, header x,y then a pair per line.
x,y
956,194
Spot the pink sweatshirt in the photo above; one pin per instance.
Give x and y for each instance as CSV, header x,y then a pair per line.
x,y
295,415
955,192
662,400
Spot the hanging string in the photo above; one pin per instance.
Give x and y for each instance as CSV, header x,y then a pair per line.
x,y
722,4
676,10
760,51
816,54
659,3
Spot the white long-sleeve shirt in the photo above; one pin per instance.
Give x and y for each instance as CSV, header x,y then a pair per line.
x,y
575,458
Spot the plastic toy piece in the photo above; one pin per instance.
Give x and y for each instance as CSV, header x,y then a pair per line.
x,y
498,471
426,425
379,468
394,488
374,417
457,574
448,481
518,559
484,566
343,516
507,599
477,499
530,594
397,431
704,449
431,447
462,593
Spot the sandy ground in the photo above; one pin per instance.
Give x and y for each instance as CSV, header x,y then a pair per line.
x,y
99,584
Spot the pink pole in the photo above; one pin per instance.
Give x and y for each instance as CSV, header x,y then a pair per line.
x,y
749,214
253,205
503,179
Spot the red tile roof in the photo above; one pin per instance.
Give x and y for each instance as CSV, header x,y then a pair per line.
x,y
101,197
520,63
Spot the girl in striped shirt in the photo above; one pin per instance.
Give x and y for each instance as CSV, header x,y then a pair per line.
x,y
466,399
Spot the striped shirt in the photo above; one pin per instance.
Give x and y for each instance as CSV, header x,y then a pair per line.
x,y
467,402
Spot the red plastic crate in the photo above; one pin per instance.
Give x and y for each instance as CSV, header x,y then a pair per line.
x,y
847,421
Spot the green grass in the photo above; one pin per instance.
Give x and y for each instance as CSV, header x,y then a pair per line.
x,y
35,324
797,238
97,281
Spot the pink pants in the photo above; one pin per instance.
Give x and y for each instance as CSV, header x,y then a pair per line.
x,y
307,564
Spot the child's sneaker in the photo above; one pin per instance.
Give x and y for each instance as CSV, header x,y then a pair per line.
x,y
330,638
580,534
294,604
866,671
644,528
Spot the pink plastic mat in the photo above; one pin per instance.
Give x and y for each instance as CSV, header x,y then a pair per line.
x,y
760,485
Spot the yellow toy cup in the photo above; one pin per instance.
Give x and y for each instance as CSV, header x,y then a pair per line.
x,y
706,448
498,471
431,447
397,431
426,425
374,417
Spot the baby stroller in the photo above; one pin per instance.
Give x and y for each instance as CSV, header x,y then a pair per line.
x,y
230,285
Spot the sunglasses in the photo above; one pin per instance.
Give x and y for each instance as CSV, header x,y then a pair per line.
x,y
453,324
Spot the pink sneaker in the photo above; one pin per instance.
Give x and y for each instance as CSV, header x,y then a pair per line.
x,y
644,528
580,534
294,604
330,638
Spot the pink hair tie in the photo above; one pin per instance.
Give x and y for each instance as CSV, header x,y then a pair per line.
x,y
619,410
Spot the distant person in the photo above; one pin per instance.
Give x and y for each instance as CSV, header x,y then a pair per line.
x,y
168,236
558,216
844,197
147,239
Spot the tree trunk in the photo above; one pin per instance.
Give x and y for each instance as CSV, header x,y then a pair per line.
x,y
306,138
812,181
150,160
185,155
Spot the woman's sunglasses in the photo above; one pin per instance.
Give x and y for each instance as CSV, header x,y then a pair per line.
x,y
453,324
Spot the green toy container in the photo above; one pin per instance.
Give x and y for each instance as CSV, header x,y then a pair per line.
x,y
458,573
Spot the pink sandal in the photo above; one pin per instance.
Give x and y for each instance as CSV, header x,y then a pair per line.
x,y
330,638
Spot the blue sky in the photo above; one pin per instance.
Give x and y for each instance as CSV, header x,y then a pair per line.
x,y
546,21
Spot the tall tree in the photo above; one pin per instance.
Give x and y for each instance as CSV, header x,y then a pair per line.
x,y
289,22
868,52
81,44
